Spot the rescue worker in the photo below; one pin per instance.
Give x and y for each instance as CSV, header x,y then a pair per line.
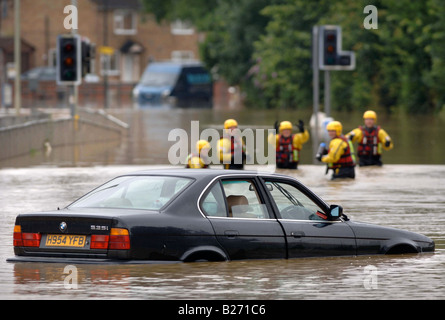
x,y
340,155
231,147
371,140
201,158
288,145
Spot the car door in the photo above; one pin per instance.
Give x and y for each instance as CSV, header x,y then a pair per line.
x,y
307,234
244,224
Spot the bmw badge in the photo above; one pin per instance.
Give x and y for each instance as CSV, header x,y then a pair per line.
x,y
63,226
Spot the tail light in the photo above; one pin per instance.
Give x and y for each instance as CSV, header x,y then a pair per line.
x,y
119,239
99,241
21,239
18,240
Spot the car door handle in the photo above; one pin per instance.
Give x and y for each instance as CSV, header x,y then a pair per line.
x,y
297,234
231,234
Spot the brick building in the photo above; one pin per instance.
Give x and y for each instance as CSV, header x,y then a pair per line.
x,y
135,37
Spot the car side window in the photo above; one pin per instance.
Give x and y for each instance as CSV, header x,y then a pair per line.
x,y
292,203
243,200
214,204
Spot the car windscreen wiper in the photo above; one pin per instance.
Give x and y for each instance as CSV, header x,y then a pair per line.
x,y
110,187
288,195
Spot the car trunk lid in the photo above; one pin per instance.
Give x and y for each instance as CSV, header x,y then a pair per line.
x,y
86,234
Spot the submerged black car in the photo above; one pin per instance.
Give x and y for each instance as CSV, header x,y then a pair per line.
x,y
184,215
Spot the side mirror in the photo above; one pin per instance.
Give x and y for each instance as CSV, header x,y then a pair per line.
x,y
335,212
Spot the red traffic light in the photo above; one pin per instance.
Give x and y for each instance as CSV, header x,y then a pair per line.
x,y
330,37
69,59
330,54
69,47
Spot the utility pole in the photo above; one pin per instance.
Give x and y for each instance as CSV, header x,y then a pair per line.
x,y
17,58
105,74
315,90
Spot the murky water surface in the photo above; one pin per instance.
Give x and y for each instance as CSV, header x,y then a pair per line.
x,y
410,197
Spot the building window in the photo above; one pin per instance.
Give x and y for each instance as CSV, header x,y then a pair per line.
x,y
5,8
179,27
182,55
110,64
125,22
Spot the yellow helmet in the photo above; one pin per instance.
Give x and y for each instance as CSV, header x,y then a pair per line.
x,y
370,115
230,123
224,149
196,163
285,125
201,144
335,126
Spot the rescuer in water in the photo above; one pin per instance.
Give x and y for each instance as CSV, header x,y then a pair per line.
x,y
288,145
200,158
371,140
231,148
340,155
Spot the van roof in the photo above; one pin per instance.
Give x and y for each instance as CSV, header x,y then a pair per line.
x,y
172,67
178,63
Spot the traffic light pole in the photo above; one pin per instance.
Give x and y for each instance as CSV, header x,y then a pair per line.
x,y
327,93
75,88
327,55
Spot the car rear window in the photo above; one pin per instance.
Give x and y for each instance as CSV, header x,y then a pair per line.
x,y
134,192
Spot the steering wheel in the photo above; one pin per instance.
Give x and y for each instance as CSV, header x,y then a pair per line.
x,y
298,213
288,212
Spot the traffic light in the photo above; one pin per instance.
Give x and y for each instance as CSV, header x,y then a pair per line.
x,y
69,60
330,47
88,55
331,57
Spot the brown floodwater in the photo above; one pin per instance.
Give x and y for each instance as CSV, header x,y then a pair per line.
x,y
417,139
410,197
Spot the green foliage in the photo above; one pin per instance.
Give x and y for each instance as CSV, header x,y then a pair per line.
x,y
283,53
265,47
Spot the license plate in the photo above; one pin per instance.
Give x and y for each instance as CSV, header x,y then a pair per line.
x,y
65,240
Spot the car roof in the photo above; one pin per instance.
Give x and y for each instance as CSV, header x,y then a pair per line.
x,y
201,173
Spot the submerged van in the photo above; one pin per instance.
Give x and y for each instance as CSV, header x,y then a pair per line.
x,y
174,84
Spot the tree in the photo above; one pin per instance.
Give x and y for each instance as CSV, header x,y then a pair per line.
x,y
399,65
283,53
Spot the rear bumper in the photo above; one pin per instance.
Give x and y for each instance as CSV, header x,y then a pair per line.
x,y
81,254
84,260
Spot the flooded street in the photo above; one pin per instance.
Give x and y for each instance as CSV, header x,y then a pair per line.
x,y
408,192
410,197
417,140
